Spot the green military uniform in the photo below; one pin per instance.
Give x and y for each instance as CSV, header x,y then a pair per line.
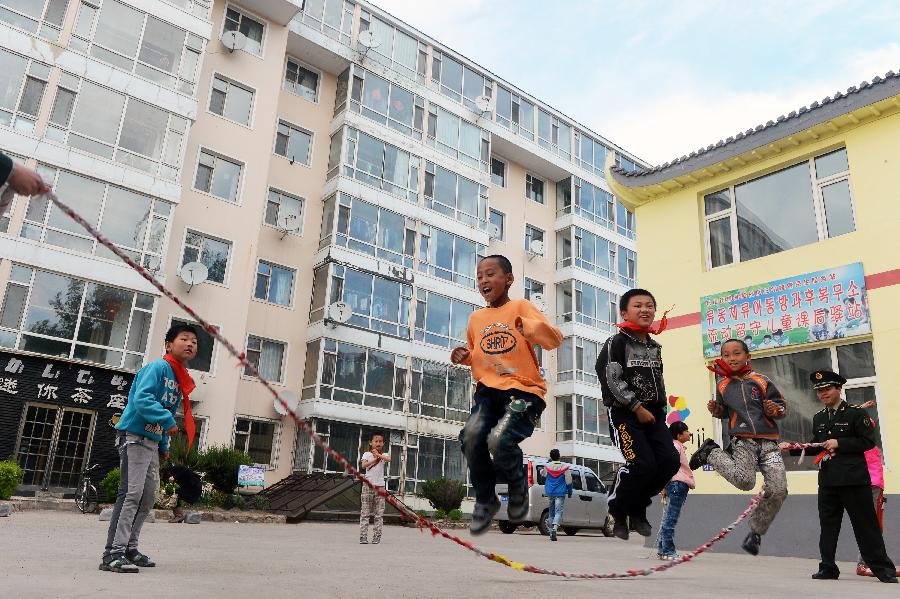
x,y
844,483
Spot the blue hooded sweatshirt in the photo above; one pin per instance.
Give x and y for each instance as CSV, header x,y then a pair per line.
x,y
152,402
559,480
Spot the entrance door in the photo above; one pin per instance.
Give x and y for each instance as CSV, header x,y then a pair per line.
x,y
54,443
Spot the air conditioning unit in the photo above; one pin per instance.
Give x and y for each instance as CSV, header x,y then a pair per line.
x,y
539,302
535,248
494,231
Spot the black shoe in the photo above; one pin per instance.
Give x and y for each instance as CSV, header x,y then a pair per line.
x,y
118,564
517,506
826,575
553,533
701,456
139,559
620,527
482,516
640,526
887,578
751,543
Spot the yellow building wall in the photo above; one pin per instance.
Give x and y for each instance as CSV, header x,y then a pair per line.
x,y
672,264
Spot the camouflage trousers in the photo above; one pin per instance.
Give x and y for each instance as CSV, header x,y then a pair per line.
x,y
739,468
371,504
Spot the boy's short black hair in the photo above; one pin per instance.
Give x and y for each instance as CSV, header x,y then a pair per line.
x,y
742,344
376,434
554,454
748,336
767,336
626,297
178,328
503,261
676,428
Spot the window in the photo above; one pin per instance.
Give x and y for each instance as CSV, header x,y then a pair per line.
x,y
780,211
533,287
577,196
441,320
44,17
200,422
284,209
206,345
594,307
211,252
498,172
56,315
579,418
362,376
454,195
441,390
590,154
137,42
257,438
135,222
334,18
267,356
300,80
385,102
790,373
231,100
448,256
458,81
21,90
293,143
554,134
534,188
378,304
458,138
498,219
577,359
274,284
515,113
580,248
366,228
395,49
381,165
252,29
532,234
428,458
218,176
624,221
627,265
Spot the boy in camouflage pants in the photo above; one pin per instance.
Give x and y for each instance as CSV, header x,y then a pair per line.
x,y
371,503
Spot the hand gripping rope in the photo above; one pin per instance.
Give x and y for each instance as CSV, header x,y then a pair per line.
x,y
421,521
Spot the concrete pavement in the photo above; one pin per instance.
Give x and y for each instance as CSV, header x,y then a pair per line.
x,y
54,554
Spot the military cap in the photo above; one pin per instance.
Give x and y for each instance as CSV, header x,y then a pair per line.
x,y
826,378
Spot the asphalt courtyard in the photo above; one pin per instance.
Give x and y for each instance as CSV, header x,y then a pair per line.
x,y
54,554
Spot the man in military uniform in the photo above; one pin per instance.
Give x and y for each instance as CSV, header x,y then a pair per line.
x,y
846,432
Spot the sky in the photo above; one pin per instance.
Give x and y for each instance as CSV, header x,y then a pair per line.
x,y
662,79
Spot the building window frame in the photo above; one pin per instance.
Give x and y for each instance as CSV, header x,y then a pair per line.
x,y
250,420
274,207
186,244
291,86
229,83
535,188
229,24
256,347
267,278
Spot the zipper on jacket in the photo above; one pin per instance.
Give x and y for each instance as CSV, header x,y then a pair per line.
x,y
747,407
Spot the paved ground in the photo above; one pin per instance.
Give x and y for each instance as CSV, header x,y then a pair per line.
x,y
52,554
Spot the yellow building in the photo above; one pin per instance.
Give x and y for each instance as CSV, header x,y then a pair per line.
x,y
738,234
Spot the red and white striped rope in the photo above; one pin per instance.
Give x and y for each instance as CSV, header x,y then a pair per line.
x,y
421,521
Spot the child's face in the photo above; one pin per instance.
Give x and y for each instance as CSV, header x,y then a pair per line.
x,y
377,442
641,310
184,347
734,355
685,436
493,283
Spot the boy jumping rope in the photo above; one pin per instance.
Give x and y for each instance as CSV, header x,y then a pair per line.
x,y
371,503
509,397
143,437
751,404
630,370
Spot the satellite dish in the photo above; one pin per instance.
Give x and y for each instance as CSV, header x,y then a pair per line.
x,y
233,40
536,247
287,223
367,40
340,312
494,230
538,300
484,103
290,398
193,273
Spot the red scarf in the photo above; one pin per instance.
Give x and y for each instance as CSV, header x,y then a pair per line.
x,y
631,326
722,368
186,383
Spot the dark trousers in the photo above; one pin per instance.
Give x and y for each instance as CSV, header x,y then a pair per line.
x,y
857,500
651,461
495,428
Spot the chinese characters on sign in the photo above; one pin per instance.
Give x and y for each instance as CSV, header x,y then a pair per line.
x,y
251,476
829,304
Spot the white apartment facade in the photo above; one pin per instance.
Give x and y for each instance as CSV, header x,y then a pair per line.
x,y
302,167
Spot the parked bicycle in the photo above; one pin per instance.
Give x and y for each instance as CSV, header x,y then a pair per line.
x,y
86,497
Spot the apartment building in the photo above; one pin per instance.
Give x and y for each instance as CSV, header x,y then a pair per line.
x,y
339,174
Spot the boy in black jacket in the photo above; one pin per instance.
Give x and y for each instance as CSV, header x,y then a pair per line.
x,y
631,377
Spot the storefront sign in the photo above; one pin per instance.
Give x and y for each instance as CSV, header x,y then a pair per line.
x,y
829,304
251,476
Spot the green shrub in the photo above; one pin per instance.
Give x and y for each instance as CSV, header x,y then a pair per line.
x,y
440,515
454,515
110,484
444,494
212,499
220,463
260,502
179,455
10,477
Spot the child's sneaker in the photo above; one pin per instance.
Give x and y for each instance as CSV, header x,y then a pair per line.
x,y
517,506
863,570
700,457
552,533
139,559
118,564
668,557
482,516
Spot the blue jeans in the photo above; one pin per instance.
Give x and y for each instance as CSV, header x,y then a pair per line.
x,y
677,492
557,506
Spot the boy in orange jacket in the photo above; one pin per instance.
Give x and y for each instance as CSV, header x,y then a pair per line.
x,y
509,397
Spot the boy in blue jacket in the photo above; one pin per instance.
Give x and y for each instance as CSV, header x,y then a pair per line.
x,y
557,487
143,438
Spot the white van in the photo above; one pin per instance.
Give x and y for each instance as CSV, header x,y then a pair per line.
x,y
585,509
